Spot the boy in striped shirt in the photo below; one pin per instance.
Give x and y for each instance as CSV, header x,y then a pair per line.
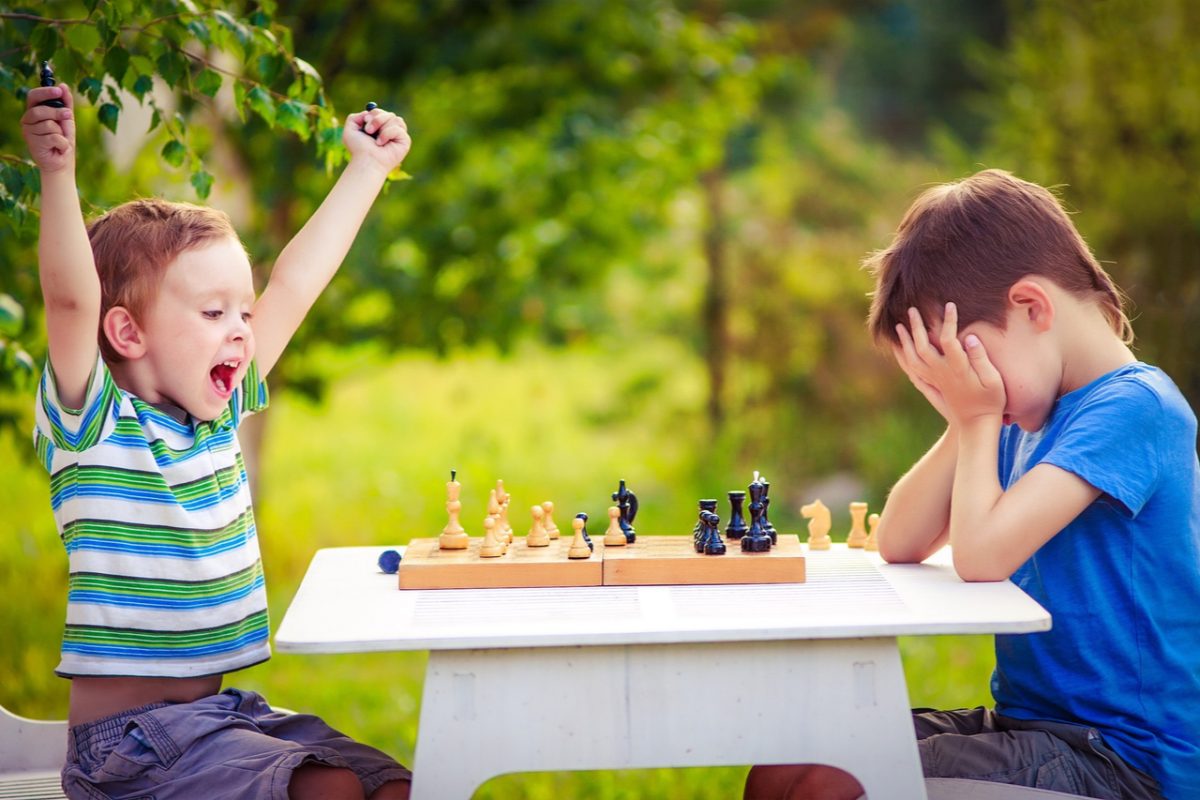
x,y
137,427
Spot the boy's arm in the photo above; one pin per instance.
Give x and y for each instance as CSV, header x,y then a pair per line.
x,y
992,531
66,267
915,522
311,259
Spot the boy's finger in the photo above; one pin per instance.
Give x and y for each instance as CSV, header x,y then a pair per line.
x,y
980,363
41,94
920,337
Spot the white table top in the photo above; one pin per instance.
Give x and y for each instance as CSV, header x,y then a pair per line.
x,y
346,605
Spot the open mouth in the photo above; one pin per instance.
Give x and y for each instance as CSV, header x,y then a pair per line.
x,y
222,376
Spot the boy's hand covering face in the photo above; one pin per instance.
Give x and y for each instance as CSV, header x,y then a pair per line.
x,y
50,132
959,381
388,148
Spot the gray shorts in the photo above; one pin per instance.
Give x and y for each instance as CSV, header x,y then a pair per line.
x,y
230,745
978,743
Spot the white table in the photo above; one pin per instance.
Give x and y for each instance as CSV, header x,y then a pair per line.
x,y
657,676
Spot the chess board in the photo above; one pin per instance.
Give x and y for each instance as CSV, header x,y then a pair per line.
x,y
651,560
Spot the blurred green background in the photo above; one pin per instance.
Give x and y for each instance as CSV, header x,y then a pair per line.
x,y
626,246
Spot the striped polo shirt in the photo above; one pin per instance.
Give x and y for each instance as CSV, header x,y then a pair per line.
x,y
155,514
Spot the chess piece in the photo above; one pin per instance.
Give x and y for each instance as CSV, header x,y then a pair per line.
x,y
453,536
712,544
502,497
756,540
872,543
858,532
819,523
705,505
614,536
371,106
551,528
492,546
627,503
737,527
580,546
537,532
768,528
47,79
586,537
389,562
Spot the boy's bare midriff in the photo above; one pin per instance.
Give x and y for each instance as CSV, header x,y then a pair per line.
x,y
96,698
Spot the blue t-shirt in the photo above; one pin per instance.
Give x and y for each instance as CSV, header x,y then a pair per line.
x,y
1122,580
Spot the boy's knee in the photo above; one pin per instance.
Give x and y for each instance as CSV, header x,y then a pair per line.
x,y
392,790
795,781
319,782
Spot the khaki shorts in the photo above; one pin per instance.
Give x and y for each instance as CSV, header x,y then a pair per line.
x,y
980,744
230,745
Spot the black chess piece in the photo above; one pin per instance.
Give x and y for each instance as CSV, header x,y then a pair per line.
x,y
47,78
586,538
698,530
737,527
713,544
627,504
371,107
768,528
756,539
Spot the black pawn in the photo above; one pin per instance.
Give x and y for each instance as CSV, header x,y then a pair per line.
x,y
586,538
714,545
47,78
371,107
737,527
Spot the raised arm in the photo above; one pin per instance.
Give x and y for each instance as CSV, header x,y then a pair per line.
x,y
311,259
915,521
66,268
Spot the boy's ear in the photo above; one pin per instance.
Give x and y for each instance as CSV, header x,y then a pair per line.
x,y
124,334
1030,298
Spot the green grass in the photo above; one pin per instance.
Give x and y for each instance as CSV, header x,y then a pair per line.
x,y
369,467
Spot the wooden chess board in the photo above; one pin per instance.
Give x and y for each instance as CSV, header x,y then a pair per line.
x,y
651,560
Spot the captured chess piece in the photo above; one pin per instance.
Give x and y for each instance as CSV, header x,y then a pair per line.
x,y
872,543
819,523
537,532
453,537
47,79
627,503
711,542
551,528
581,547
492,545
858,531
737,527
756,540
614,536
389,562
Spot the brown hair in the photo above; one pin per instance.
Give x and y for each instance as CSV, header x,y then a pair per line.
x,y
969,241
134,242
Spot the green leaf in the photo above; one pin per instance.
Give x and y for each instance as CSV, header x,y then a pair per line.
x,y
108,116
116,61
305,68
174,152
238,29
83,37
239,99
45,42
171,66
155,120
143,84
91,88
261,102
199,29
208,82
12,316
202,182
269,67
294,117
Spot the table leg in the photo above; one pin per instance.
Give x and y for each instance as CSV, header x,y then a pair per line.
x,y
839,701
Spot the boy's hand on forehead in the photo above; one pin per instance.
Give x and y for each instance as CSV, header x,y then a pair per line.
x,y
50,132
960,382
378,135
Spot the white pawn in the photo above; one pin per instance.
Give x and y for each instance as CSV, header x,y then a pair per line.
x,y
579,546
551,528
537,532
492,546
614,536
872,537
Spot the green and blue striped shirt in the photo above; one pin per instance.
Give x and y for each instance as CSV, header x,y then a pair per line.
x,y
155,514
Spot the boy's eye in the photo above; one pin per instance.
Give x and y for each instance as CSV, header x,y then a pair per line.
x,y
212,314
247,316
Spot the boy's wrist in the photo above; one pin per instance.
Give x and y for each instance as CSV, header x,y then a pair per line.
x,y
367,168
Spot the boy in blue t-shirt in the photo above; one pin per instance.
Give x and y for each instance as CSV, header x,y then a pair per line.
x,y
1067,465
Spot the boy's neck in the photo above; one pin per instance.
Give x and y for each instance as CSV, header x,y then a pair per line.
x,y
131,377
1090,347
